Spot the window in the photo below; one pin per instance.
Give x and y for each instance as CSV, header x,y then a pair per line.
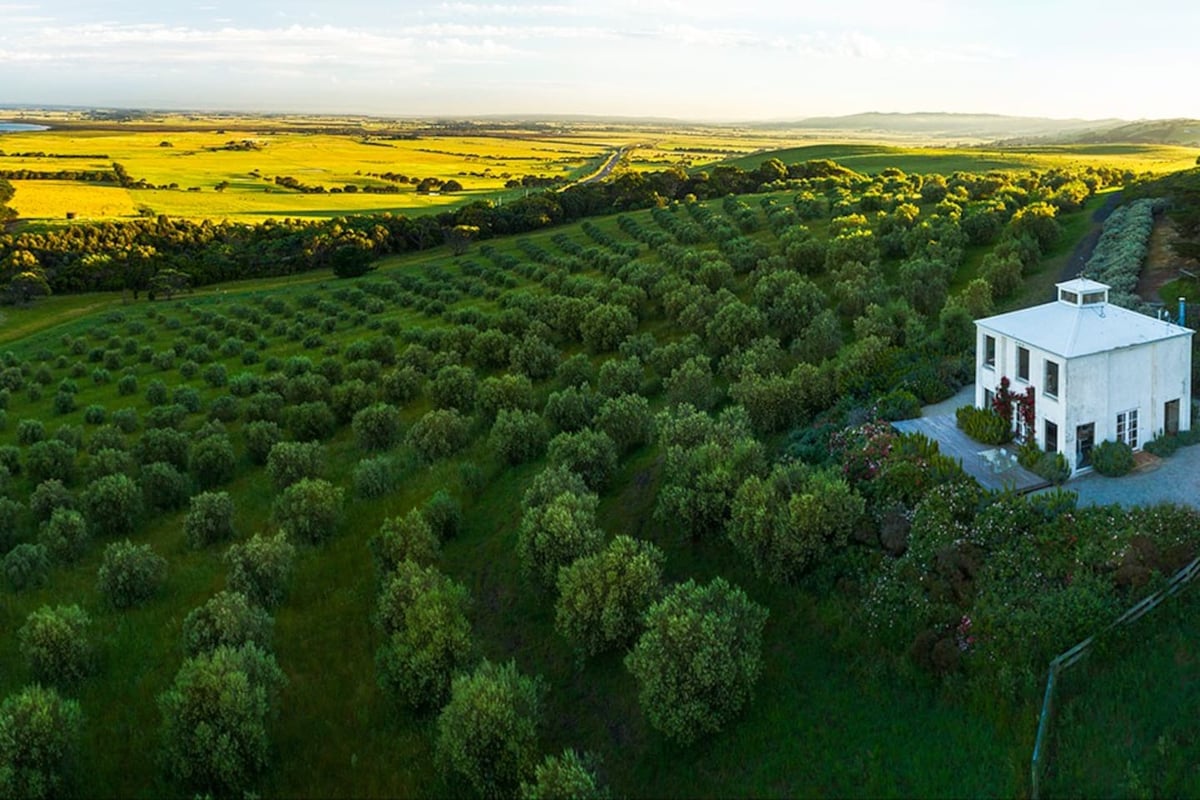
x,y
1023,364
1069,297
1051,437
988,398
1092,298
1127,428
989,351
1050,382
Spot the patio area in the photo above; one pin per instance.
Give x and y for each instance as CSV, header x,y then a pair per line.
x,y
993,467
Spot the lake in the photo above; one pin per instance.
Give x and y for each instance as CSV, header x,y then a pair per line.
x,y
20,127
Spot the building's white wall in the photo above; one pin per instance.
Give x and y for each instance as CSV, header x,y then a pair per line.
x,y
1095,388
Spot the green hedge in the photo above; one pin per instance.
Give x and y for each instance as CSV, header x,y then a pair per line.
x,y
1112,458
983,425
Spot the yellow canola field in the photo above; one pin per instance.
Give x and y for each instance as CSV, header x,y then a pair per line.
x,y
54,199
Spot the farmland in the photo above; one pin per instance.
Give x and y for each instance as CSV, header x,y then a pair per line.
x,y
755,330
215,167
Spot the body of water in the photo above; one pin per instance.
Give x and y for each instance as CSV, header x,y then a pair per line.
x,y
20,127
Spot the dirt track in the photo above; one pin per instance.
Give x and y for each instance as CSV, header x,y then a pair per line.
x,y
1083,250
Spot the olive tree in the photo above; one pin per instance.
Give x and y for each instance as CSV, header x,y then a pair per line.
x,y
289,462
39,738
214,718
56,646
589,453
64,535
309,510
226,619
112,504
569,775
130,574
557,529
518,436
209,519
261,567
377,427
602,596
406,538
487,733
698,659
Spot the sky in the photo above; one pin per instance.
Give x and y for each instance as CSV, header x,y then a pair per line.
x,y
740,60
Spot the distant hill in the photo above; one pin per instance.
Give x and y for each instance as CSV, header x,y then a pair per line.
x,y
1184,132
981,126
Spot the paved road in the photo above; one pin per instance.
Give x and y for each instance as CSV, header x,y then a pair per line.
x,y
603,172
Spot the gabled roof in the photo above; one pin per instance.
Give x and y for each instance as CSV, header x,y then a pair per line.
x,y
1069,331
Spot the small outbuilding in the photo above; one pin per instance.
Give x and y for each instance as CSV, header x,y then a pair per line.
x,y
1080,371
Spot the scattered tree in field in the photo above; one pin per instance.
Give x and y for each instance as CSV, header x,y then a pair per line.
x,y
23,287
214,719
55,645
406,538
601,597
227,619
309,510
209,519
698,660
790,520
459,237
261,567
487,733
39,738
130,574
569,775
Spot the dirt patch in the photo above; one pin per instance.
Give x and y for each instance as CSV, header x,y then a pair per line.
x,y
1162,264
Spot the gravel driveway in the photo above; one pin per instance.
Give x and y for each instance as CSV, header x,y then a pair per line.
x,y
1174,480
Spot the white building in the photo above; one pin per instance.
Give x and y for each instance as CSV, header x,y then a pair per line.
x,y
1099,372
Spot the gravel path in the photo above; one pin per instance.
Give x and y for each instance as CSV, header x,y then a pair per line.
x,y
1083,250
1174,480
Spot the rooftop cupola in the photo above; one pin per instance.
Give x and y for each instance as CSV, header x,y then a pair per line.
x,y
1080,292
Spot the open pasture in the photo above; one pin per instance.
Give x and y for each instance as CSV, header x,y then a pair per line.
x,y
873,158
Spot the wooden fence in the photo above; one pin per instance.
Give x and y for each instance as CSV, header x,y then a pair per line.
x,y
1037,764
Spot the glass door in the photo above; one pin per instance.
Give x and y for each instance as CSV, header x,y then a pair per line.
x,y
1085,437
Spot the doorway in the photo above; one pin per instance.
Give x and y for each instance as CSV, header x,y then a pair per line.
x,y
1171,417
1085,437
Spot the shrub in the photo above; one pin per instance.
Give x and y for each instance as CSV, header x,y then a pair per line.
x,y
26,566
227,619
95,414
698,660
289,462
39,735
64,535
188,398
407,538
626,420
568,775
214,719
377,427
111,505
130,574
156,392
375,477
216,376
127,385
309,510
439,434
30,431
1053,467
454,387
261,437
209,519
1112,458
487,733
983,425
261,567
55,645
109,462
898,404
225,408
351,397
571,409
601,597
